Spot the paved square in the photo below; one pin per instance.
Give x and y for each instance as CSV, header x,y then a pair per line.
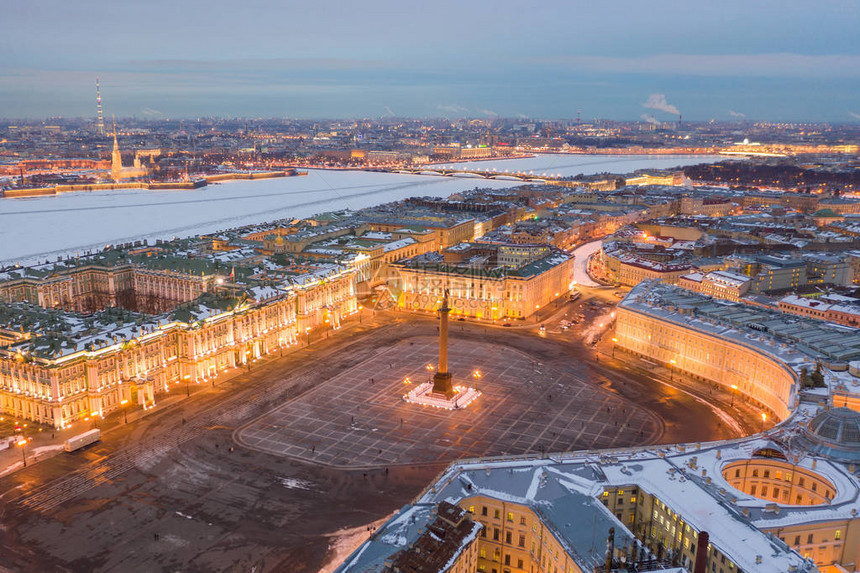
x,y
358,419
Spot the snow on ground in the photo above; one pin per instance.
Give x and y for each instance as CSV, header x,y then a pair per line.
x,y
580,262
598,326
11,460
345,541
295,483
42,450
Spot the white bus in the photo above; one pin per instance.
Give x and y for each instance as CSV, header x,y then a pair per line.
x,y
81,440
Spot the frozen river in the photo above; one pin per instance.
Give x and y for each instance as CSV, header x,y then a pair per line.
x,y
567,165
40,228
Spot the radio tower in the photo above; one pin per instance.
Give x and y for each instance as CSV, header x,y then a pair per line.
x,y
100,120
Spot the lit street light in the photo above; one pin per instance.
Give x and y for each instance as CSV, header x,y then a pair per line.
x,y
734,387
763,419
125,410
23,443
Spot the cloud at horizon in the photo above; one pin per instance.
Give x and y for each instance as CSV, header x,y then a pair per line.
x,y
482,60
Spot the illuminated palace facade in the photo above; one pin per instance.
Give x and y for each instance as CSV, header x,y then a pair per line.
x,y
488,282
725,343
59,367
91,287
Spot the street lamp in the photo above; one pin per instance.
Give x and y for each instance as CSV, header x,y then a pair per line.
x,y
763,419
734,388
429,372
671,372
477,376
614,343
125,410
23,442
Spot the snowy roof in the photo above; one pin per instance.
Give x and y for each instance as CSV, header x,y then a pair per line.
x,y
792,340
564,490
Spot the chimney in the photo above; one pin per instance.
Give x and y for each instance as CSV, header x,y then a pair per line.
x,y
701,565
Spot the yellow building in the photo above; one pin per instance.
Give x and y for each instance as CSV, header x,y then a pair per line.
x,y
489,282
617,265
657,322
82,366
704,508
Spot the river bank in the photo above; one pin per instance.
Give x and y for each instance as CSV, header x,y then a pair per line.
x,y
149,185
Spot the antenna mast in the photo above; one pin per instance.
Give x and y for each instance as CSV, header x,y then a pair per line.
x,y
100,120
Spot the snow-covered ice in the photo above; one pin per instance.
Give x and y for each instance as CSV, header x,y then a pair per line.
x,y
40,228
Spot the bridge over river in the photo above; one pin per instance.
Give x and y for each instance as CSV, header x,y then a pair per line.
x,y
474,174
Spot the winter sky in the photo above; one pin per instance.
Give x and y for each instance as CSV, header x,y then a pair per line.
x,y
768,60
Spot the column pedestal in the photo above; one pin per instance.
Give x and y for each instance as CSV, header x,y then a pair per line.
x,y
443,385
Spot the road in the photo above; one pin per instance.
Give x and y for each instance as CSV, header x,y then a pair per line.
x,y
174,491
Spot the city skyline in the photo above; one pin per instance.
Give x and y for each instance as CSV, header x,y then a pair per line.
x,y
449,287
724,62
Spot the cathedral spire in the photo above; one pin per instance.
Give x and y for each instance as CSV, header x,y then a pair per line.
x,y
116,156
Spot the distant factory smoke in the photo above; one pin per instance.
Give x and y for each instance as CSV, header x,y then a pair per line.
x,y
453,109
649,118
149,112
658,102
854,115
737,114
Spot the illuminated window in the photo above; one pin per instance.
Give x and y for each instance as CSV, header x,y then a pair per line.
x,y
510,517
838,535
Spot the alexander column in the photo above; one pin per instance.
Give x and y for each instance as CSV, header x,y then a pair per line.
x,y
442,379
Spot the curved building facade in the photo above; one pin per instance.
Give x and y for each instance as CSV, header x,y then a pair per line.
x,y
662,323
